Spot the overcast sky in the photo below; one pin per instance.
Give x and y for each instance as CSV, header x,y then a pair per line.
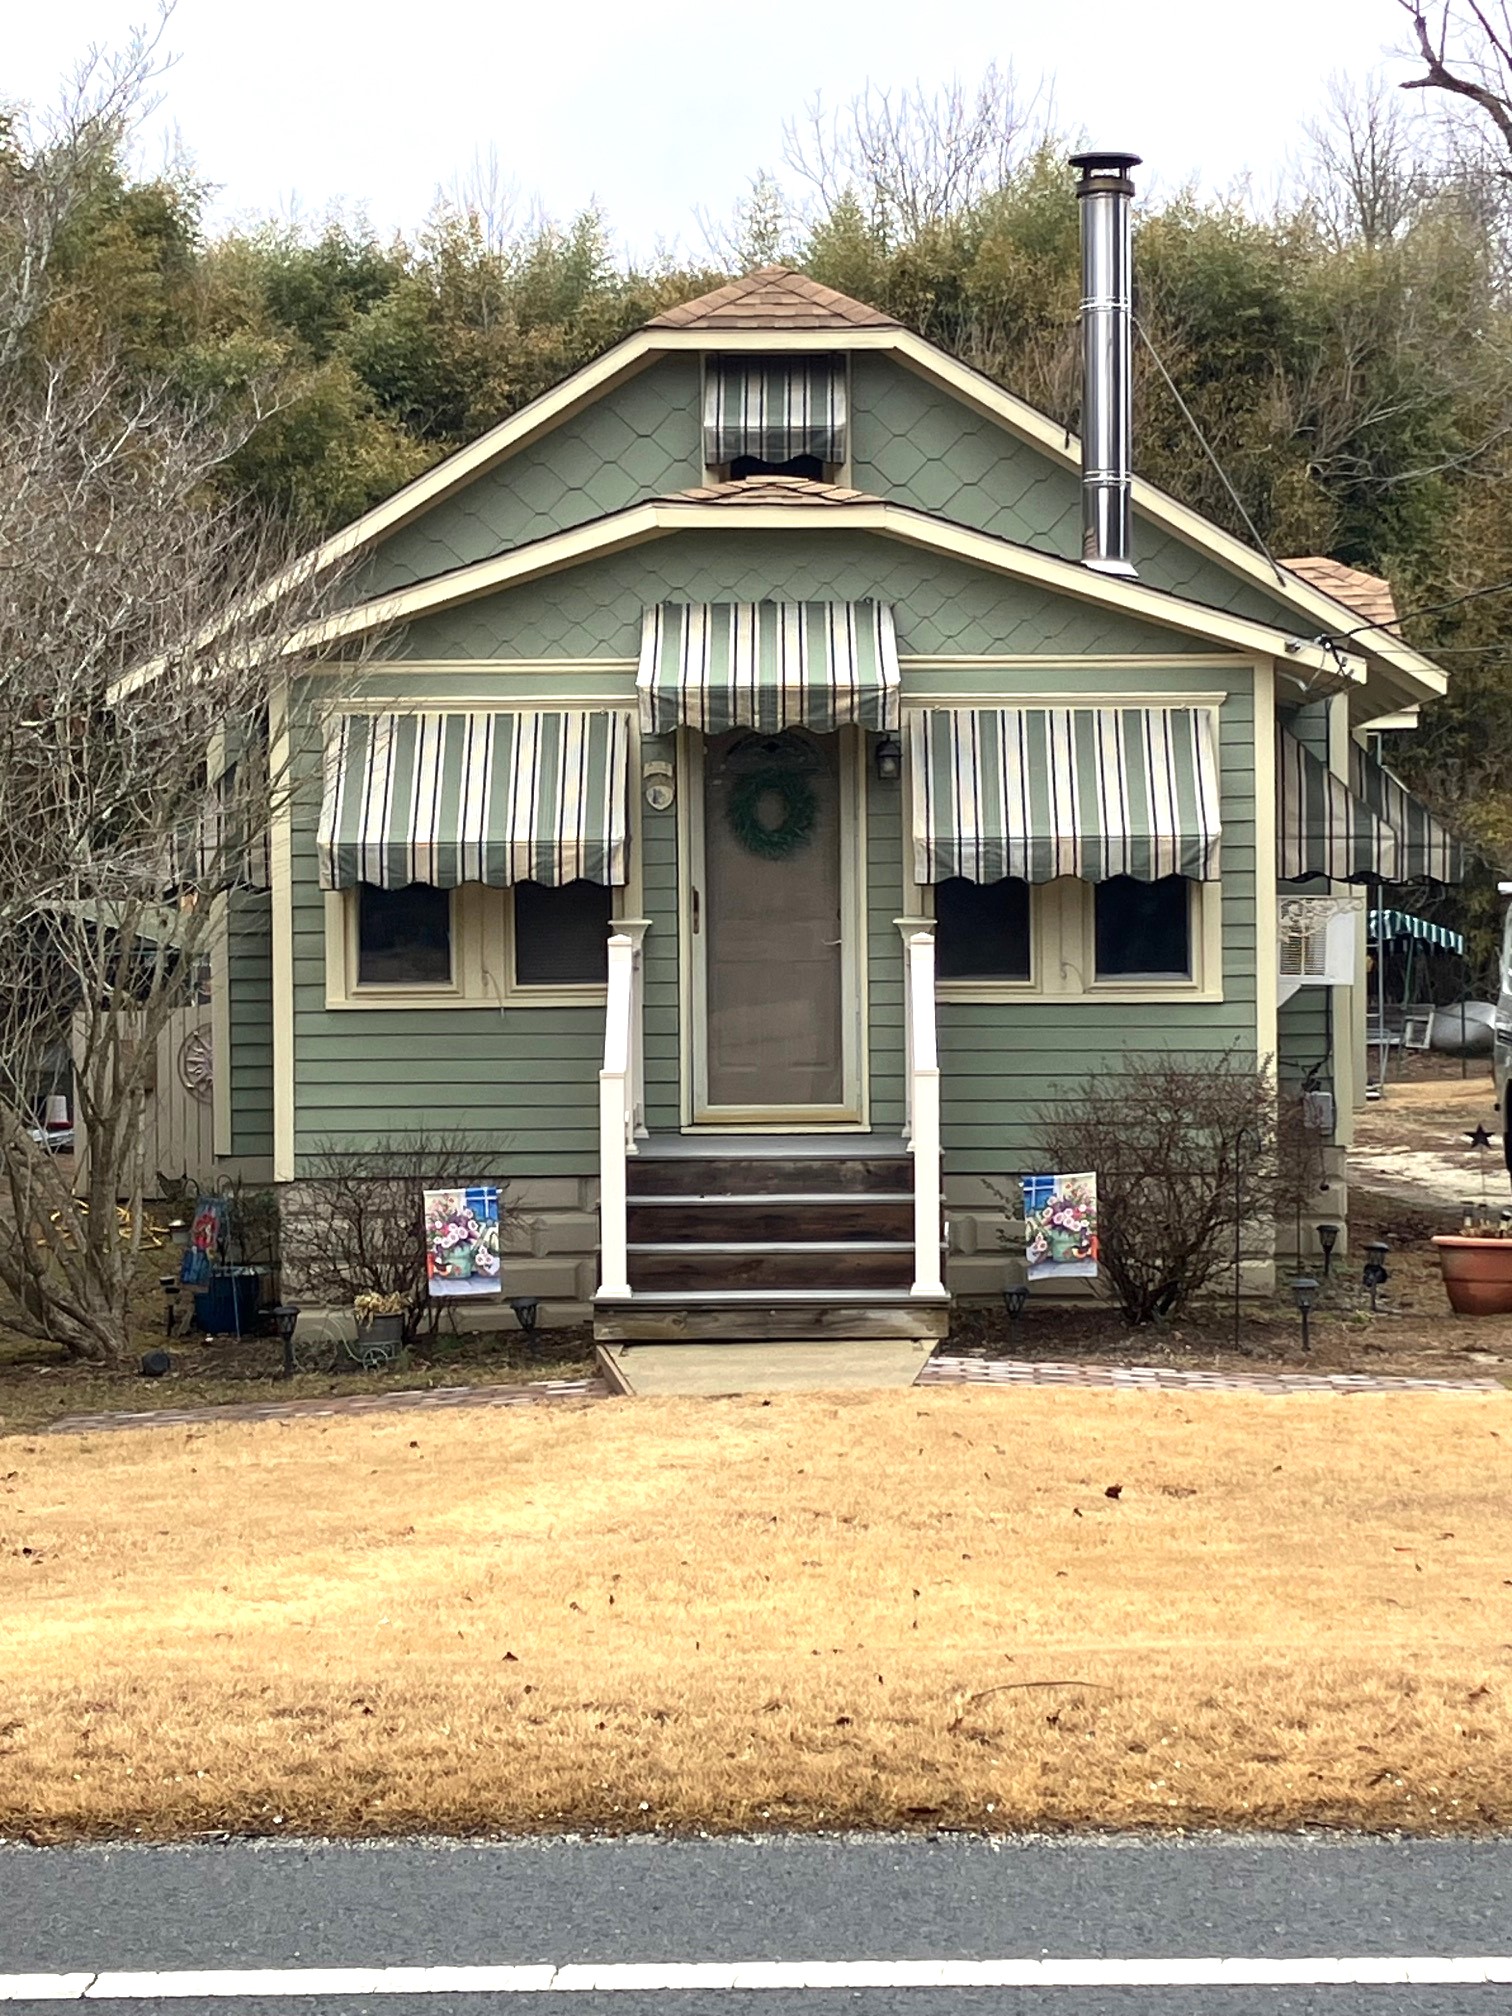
x,y
653,109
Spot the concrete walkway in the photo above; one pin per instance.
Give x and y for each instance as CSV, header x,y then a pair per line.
x,y
947,1371
709,1370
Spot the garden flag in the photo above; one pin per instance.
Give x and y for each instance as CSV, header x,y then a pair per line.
x,y
462,1241
1060,1226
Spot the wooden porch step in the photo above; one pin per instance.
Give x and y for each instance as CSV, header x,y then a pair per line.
x,y
799,1217
829,1265
766,1175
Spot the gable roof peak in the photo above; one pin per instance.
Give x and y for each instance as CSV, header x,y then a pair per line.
x,y
775,298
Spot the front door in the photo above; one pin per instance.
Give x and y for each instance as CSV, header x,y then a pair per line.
x,y
776,982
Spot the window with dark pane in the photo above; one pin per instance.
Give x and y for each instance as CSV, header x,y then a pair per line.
x,y
1144,929
403,936
561,936
800,465
982,930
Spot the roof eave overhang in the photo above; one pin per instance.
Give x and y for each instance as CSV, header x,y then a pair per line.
x,y
1317,666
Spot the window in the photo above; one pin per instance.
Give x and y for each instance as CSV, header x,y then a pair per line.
x,y
1143,930
982,930
404,936
561,936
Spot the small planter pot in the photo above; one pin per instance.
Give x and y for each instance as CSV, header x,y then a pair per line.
x,y
378,1341
1477,1274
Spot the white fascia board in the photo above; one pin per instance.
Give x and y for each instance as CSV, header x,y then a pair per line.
x,y
913,528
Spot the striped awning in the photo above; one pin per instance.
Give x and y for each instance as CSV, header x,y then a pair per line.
x,y
774,411
1427,851
486,797
769,666
1322,828
1402,924
1040,792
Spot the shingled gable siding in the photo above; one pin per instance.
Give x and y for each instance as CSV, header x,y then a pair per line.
x,y
918,445
641,440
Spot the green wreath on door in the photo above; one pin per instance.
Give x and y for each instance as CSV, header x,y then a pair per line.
x,y
800,810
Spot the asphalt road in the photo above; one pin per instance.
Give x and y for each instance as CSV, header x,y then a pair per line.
x,y
74,1917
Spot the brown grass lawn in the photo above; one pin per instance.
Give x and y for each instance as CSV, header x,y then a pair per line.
x,y
899,1609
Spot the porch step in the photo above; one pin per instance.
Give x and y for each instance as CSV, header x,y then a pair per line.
x,y
755,1315
832,1264
794,1216
652,1175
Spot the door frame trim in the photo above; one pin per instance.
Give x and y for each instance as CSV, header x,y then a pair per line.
x,y
853,1115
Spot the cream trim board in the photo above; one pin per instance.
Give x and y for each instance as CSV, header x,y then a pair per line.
x,y
376,670
221,1119
281,879
923,703
1090,661
1267,916
483,961
644,522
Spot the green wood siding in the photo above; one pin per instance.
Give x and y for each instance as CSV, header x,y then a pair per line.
x,y
1000,1062
943,606
249,972
643,439
884,948
918,445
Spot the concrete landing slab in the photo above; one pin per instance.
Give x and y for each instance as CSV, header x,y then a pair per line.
x,y
709,1370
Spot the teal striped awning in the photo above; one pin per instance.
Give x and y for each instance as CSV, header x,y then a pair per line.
x,y
1427,851
1322,828
487,797
1041,792
774,410
768,666
1402,924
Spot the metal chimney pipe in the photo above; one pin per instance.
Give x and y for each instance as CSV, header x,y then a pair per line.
x,y
1107,421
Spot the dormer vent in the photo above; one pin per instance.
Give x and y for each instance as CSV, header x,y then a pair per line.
x,y
773,413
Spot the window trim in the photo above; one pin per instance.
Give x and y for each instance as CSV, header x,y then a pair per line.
x,y
1063,953
482,937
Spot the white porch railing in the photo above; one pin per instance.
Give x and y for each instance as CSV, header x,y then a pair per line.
x,y
922,1075
619,1111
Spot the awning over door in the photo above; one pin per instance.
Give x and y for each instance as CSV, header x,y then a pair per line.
x,y
769,666
1322,828
1040,792
486,797
774,411
1427,851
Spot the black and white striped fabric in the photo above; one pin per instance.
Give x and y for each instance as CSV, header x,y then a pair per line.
x,y
1322,827
1428,852
774,411
768,665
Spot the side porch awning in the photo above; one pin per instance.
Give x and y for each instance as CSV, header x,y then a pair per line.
x,y
1427,851
768,666
1041,792
482,797
1322,827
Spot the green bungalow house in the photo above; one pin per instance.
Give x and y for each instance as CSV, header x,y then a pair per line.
x,y
789,759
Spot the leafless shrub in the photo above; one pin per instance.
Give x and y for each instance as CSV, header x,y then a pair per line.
x,y
359,1225
1188,1153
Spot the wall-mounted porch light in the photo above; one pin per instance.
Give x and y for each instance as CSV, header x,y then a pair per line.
x,y
889,760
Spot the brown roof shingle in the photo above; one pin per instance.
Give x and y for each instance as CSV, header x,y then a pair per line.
x,y
771,490
775,297
1367,594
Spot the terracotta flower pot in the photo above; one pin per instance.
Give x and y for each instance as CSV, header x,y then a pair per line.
x,y
1477,1274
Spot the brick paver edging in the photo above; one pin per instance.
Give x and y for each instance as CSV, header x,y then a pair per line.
x,y
339,1404
946,1371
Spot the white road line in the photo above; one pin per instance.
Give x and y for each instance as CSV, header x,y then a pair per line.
x,y
670,1977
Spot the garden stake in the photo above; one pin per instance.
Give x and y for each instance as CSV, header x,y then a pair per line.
x,y
1245,1138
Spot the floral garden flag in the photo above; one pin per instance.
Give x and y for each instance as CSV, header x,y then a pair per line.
x,y
462,1241
1060,1226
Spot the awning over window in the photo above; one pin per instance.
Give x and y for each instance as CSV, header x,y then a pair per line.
x,y
485,797
1322,828
774,411
768,665
1427,851
1040,792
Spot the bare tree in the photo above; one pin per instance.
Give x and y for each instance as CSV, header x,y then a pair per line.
x,y
1369,181
760,230
912,158
1466,49
137,667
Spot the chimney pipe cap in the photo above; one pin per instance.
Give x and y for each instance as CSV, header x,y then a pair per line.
x,y
1104,172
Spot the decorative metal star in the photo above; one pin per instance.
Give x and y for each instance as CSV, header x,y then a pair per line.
x,y
1479,1138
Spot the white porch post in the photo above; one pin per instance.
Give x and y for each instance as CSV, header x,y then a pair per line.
x,y
635,929
924,1111
616,1120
